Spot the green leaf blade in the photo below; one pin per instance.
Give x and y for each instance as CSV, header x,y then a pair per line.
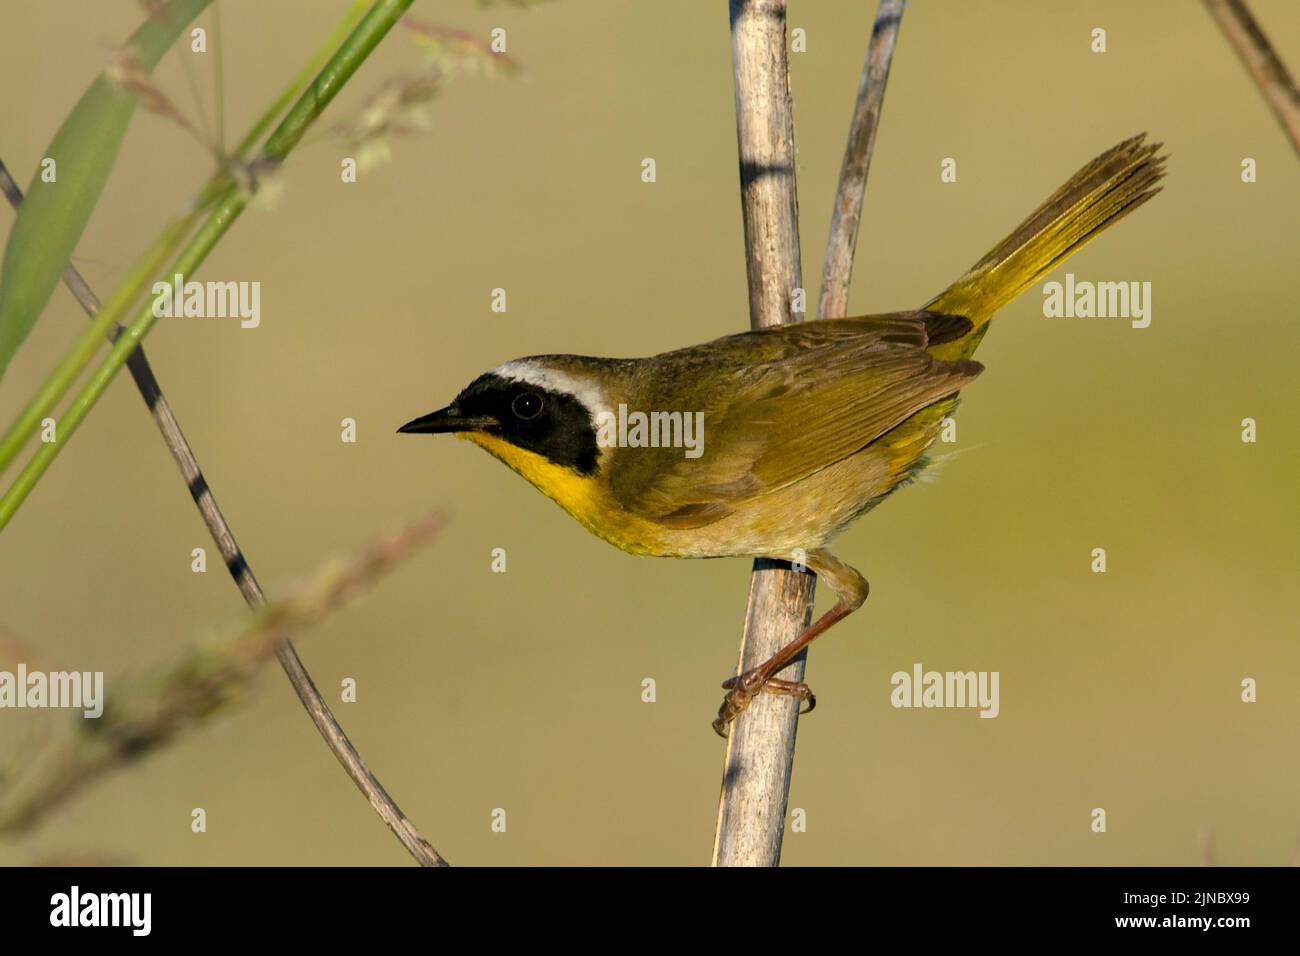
x,y
54,214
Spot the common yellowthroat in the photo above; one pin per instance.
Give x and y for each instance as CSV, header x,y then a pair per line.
x,y
768,443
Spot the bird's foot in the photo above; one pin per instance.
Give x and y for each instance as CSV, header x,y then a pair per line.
x,y
741,690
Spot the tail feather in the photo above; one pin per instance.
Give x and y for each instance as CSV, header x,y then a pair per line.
x,y
1099,194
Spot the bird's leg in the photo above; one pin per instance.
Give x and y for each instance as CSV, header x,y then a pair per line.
x,y
850,589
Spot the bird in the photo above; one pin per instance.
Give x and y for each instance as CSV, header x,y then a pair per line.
x,y
769,443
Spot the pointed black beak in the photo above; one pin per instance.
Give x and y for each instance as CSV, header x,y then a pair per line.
x,y
447,419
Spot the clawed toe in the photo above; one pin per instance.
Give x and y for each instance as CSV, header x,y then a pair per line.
x,y
742,688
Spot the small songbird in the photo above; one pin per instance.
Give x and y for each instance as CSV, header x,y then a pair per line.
x,y
769,443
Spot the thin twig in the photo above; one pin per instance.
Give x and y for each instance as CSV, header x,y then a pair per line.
x,y
206,137
237,564
150,709
1262,62
219,78
760,750
838,269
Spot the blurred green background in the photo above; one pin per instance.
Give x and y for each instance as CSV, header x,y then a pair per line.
x,y
522,690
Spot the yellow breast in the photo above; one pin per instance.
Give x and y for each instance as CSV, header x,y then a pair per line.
x,y
580,495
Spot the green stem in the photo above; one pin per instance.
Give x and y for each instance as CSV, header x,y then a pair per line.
x,y
75,360
358,45
304,76
83,350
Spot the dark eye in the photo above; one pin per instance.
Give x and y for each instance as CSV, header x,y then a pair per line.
x,y
527,406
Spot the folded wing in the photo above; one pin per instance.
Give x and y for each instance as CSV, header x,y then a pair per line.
x,y
780,405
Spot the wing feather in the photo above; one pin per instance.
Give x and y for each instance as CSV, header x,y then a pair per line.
x,y
780,405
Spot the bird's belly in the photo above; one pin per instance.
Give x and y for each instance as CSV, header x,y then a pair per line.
x,y
803,515
810,512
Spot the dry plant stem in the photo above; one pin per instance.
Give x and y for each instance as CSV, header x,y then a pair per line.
x,y
150,709
1262,62
174,438
833,302
760,748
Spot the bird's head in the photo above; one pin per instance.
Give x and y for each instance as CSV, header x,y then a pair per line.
x,y
546,405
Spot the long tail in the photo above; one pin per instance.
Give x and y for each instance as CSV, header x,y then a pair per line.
x,y
1101,193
